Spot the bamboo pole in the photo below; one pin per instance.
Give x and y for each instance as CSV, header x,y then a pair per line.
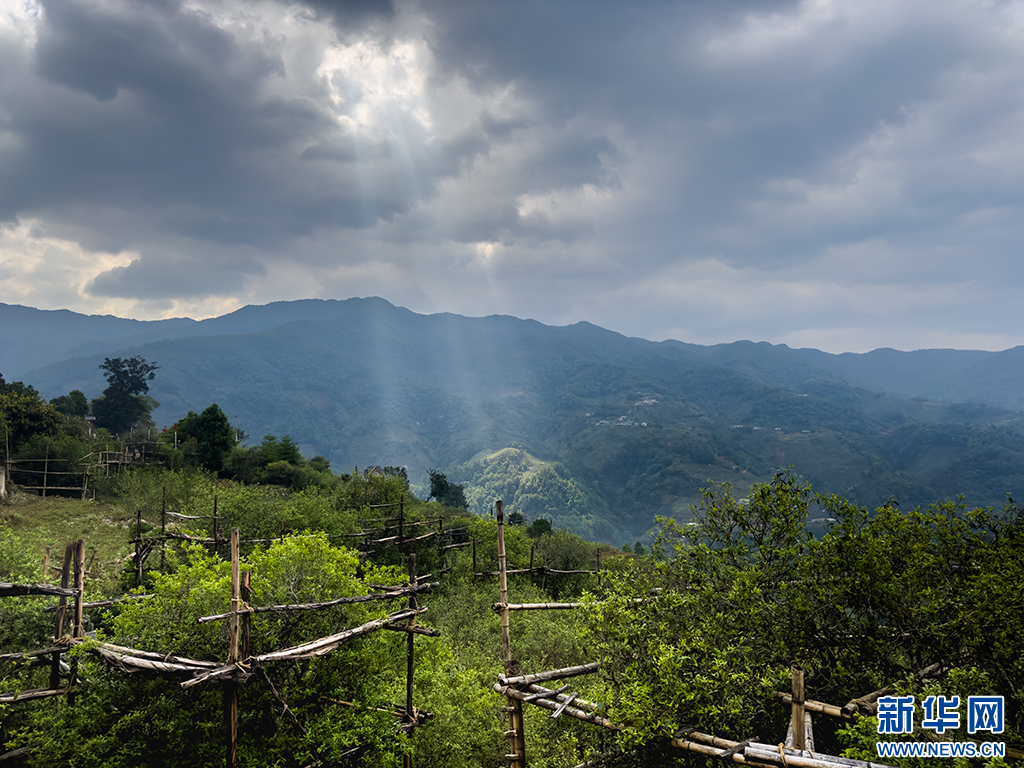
x,y
138,548
7,589
409,713
811,705
535,606
231,687
516,736
79,586
796,722
246,618
399,592
163,530
58,632
554,674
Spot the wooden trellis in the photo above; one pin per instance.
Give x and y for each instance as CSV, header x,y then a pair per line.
x,y
241,664
520,688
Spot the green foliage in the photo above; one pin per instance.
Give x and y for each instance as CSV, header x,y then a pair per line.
x,y
746,591
124,402
120,721
213,437
74,403
284,449
447,493
23,414
538,528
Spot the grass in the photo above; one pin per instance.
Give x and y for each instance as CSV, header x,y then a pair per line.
x,y
55,522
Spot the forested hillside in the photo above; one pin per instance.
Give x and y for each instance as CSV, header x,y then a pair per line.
x,y
609,431
687,647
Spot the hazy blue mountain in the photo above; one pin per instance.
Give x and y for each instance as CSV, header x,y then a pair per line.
x,y
580,424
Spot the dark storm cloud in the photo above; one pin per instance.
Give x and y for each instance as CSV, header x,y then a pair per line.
x,y
148,123
626,155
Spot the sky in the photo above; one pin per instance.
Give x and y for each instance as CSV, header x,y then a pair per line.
x,y
838,174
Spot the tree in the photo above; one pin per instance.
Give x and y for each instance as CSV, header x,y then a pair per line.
x,y
449,494
538,528
213,435
284,449
124,402
746,591
23,414
72,404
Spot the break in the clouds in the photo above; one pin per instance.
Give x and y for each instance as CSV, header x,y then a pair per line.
x,y
843,174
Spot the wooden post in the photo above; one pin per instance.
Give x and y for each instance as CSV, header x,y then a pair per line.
x,y
79,599
246,618
163,531
231,687
138,548
46,565
799,732
409,713
515,734
46,468
79,585
58,631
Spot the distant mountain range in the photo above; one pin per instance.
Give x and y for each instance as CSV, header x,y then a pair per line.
x,y
579,424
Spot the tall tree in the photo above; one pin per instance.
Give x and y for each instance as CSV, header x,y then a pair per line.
x,y
72,404
448,493
124,402
213,434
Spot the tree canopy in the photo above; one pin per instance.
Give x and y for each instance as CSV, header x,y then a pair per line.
x,y
448,493
124,402
211,434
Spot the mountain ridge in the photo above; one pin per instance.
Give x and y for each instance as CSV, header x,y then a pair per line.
x,y
626,428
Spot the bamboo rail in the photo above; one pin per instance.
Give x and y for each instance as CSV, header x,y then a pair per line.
x,y
8,589
554,674
319,647
401,592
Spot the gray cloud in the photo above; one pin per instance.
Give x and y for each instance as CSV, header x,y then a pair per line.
x,y
658,163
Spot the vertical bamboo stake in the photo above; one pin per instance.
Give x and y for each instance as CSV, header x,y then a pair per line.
x,y
474,556
231,687
515,706
46,468
138,548
46,565
409,715
215,543
163,530
79,599
246,618
79,585
799,732
58,630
